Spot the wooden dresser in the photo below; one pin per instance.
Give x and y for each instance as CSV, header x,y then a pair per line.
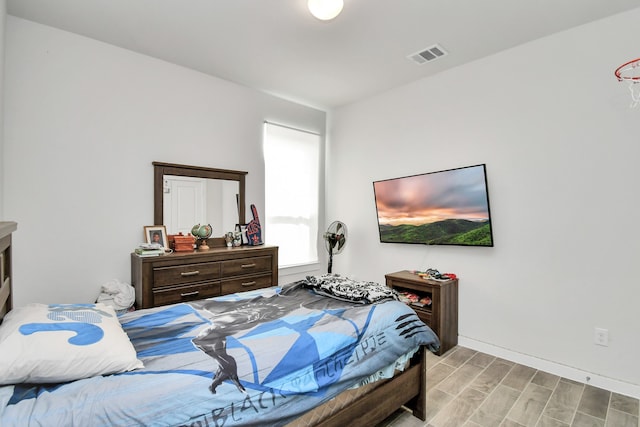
x,y
187,276
442,314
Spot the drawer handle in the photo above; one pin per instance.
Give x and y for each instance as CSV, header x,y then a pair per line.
x,y
248,265
190,273
189,294
249,283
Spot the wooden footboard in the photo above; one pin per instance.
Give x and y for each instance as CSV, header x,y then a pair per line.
x,y
408,388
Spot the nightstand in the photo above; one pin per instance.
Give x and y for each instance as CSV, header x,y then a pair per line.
x,y
442,315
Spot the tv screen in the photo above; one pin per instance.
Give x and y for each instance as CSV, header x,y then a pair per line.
x,y
449,207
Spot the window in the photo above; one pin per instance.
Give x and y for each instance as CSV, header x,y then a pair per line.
x,y
292,170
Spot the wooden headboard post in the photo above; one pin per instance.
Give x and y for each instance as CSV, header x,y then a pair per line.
x,y
6,298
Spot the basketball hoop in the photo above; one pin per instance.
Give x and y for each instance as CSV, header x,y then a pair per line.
x,y
630,73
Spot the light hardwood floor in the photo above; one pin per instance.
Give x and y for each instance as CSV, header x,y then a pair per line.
x,y
471,389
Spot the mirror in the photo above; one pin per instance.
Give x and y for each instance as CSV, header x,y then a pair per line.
x,y
218,193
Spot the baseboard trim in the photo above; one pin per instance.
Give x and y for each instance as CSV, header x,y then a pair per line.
x,y
621,387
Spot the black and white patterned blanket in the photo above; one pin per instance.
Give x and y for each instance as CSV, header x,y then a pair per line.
x,y
345,289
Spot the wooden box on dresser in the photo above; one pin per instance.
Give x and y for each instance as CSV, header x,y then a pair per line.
x,y
186,276
442,314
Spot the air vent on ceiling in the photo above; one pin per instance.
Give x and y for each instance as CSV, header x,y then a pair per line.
x,y
427,55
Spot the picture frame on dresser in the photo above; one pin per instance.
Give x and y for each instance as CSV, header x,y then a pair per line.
x,y
242,229
156,234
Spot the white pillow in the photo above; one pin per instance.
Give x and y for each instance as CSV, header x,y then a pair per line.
x,y
58,343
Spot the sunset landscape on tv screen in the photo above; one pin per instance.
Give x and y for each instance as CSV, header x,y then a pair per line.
x,y
449,207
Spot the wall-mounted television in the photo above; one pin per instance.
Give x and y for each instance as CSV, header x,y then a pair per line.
x,y
449,207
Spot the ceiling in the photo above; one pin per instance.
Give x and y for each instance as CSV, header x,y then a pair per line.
x,y
276,46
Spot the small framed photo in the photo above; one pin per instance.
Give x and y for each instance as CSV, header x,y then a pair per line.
x,y
156,234
242,228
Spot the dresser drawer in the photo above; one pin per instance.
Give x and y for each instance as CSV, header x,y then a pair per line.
x,y
243,266
248,283
187,273
172,295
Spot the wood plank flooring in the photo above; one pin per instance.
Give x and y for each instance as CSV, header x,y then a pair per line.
x,y
471,389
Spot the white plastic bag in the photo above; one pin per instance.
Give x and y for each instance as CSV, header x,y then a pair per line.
x,y
119,295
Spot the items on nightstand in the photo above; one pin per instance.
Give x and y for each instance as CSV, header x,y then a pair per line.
x,y
433,274
411,298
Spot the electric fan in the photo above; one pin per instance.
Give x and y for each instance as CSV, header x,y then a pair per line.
x,y
335,238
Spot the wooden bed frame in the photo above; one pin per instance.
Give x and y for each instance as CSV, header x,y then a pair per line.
x,y
6,228
405,389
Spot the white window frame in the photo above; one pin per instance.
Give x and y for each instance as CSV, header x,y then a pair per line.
x,y
272,130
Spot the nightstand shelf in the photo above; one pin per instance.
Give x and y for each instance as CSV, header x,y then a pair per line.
x,y
442,315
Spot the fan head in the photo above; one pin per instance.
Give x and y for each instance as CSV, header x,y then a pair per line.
x,y
335,237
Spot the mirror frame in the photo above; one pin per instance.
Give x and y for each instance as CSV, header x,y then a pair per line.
x,y
160,169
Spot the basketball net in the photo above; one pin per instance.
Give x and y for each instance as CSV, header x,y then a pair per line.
x,y
630,73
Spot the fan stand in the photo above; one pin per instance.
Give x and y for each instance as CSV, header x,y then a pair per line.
x,y
335,238
330,259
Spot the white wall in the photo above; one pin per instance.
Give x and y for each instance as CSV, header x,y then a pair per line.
x,y
84,121
561,147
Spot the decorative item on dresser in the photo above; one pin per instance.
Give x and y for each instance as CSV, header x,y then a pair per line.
x,y
442,314
254,229
202,233
156,234
6,228
187,276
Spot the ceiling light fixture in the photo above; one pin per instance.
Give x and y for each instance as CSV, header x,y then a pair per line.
x,y
325,10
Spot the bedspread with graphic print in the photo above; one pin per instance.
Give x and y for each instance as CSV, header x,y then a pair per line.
x,y
256,358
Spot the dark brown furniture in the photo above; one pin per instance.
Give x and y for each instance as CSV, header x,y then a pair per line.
x,y
187,276
374,405
6,228
161,169
442,314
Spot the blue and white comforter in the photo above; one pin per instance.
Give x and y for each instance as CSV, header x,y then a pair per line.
x,y
255,358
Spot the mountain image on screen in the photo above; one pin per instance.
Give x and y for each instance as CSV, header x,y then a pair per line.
x,y
448,207
447,232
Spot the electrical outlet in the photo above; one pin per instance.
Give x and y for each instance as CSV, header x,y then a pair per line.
x,y
601,337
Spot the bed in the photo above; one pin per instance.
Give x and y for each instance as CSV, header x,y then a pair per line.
x,y
282,356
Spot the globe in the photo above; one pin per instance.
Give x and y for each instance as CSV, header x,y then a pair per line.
x,y
202,233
